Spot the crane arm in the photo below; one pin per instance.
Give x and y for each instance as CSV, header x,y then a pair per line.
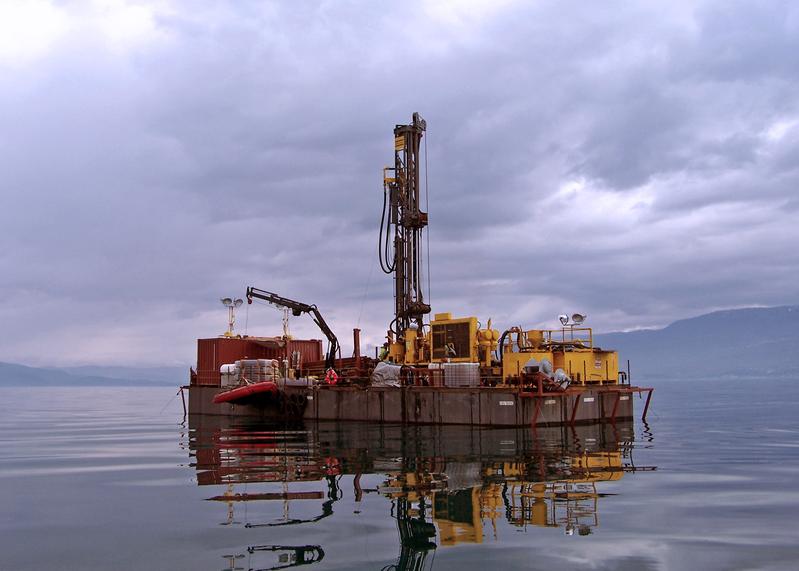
x,y
298,308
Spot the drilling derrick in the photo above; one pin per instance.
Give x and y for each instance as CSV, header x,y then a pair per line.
x,y
401,229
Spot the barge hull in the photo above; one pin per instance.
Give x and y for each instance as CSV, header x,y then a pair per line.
x,y
427,405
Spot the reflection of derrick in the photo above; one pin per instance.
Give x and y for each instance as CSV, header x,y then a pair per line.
x,y
416,536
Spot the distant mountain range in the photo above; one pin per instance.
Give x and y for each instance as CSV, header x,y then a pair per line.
x,y
753,342
21,375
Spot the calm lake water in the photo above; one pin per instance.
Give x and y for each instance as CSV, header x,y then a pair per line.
x,y
111,479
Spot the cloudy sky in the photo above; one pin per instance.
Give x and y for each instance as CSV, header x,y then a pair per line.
x,y
636,161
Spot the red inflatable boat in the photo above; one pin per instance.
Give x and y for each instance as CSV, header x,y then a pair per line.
x,y
239,393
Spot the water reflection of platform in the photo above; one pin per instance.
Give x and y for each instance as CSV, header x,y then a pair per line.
x,y
445,484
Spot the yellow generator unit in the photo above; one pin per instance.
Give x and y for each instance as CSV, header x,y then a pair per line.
x,y
460,340
570,349
453,340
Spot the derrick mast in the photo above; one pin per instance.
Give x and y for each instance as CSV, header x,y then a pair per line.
x,y
401,229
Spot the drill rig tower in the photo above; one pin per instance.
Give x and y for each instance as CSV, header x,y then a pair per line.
x,y
401,229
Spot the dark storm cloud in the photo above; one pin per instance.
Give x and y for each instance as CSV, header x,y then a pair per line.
x,y
633,161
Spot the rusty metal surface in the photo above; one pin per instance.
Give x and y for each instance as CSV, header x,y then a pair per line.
x,y
217,351
212,353
310,349
431,405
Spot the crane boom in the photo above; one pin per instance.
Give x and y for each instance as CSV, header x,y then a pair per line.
x,y
298,308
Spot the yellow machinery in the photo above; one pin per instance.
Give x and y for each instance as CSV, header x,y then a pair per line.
x,y
570,349
506,357
458,340
511,358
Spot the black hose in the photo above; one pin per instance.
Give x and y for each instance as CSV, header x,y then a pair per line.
x,y
383,242
502,343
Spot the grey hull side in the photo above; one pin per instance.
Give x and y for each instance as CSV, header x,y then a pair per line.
x,y
423,405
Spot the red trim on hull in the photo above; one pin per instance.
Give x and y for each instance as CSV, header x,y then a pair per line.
x,y
246,391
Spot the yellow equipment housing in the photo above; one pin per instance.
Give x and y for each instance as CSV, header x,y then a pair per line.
x,y
460,340
571,349
453,340
450,340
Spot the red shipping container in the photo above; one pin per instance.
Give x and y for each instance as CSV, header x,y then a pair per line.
x,y
217,351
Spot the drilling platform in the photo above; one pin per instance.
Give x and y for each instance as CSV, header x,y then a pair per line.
x,y
444,370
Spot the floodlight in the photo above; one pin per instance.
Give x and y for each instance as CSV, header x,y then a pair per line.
x,y
564,319
232,304
578,318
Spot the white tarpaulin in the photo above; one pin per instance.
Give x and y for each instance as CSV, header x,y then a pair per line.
x,y
386,375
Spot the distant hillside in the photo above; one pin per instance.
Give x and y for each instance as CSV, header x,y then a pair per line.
x,y
166,375
754,342
24,376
